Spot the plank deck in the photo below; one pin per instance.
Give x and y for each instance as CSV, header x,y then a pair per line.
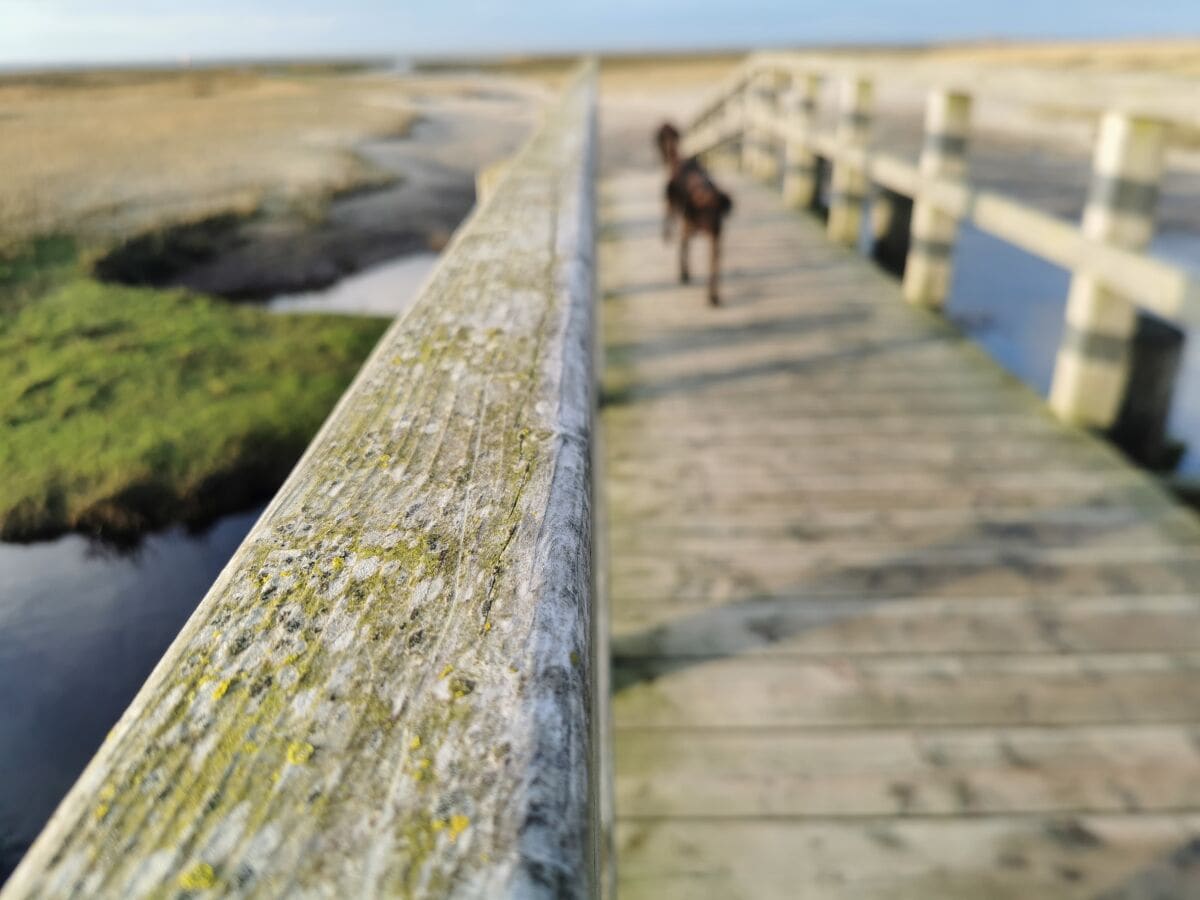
x,y
881,627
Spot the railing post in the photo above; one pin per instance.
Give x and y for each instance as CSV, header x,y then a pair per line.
x,y
734,113
771,150
1092,368
744,113
800,163
943,156
724,118
758,155
697,132
849,186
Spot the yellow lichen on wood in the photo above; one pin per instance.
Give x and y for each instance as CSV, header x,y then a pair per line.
x,y
458,824
199,877
299,752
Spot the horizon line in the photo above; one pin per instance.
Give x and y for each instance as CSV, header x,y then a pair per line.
x,y
209,60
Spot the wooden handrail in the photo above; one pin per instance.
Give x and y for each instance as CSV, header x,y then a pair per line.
x,y
1166,290
388,689
1161,288
1112,275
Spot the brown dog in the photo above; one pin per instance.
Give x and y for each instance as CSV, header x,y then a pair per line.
x,y
694,198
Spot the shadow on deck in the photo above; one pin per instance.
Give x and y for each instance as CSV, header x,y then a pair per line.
x,y
881,627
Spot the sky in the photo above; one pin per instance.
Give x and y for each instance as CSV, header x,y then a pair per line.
x,y
34,32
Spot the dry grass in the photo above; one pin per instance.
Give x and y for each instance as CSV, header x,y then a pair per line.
x,y
1161,56
665,73
108,153
1171,57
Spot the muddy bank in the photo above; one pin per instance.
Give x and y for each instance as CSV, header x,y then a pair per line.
x,y
425,186
132,409
121,521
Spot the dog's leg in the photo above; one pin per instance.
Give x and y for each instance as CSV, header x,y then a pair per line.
x,y
714,267
685,236
668,222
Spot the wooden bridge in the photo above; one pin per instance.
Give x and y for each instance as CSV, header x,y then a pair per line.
x,y
880,623
881,626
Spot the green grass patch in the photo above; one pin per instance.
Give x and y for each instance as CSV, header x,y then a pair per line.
x,y
127,408
32,269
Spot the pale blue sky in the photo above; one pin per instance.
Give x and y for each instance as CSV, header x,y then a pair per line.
x,y
41,31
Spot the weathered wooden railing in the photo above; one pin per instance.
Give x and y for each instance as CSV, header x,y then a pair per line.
x,y
388,690
768,105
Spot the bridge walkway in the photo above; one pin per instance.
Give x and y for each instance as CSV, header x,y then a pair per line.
x,y
881,626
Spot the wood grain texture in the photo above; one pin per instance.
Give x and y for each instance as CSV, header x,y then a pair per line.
x,y
387,690
882,628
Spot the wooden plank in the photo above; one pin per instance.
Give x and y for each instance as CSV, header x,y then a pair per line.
x,y
684,418
923,451
1047,524
817,482
934,773
661,400
881,626
715,580
786,553
906,691
386,692
662,508
795,626
998,858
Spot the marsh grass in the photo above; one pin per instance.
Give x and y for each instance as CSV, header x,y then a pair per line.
x,y
124,408
32,269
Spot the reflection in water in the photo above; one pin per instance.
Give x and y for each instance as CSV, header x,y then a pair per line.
x,y
1013,303
383,290
80,629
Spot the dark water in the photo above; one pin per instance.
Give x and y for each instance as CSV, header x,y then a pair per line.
x,y
81,626
1013,303
80,629
387,289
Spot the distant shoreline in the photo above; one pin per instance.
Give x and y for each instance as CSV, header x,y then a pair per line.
x,y
443,60
298,65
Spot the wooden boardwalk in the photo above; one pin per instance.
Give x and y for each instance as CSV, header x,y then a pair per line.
x,y
881,627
